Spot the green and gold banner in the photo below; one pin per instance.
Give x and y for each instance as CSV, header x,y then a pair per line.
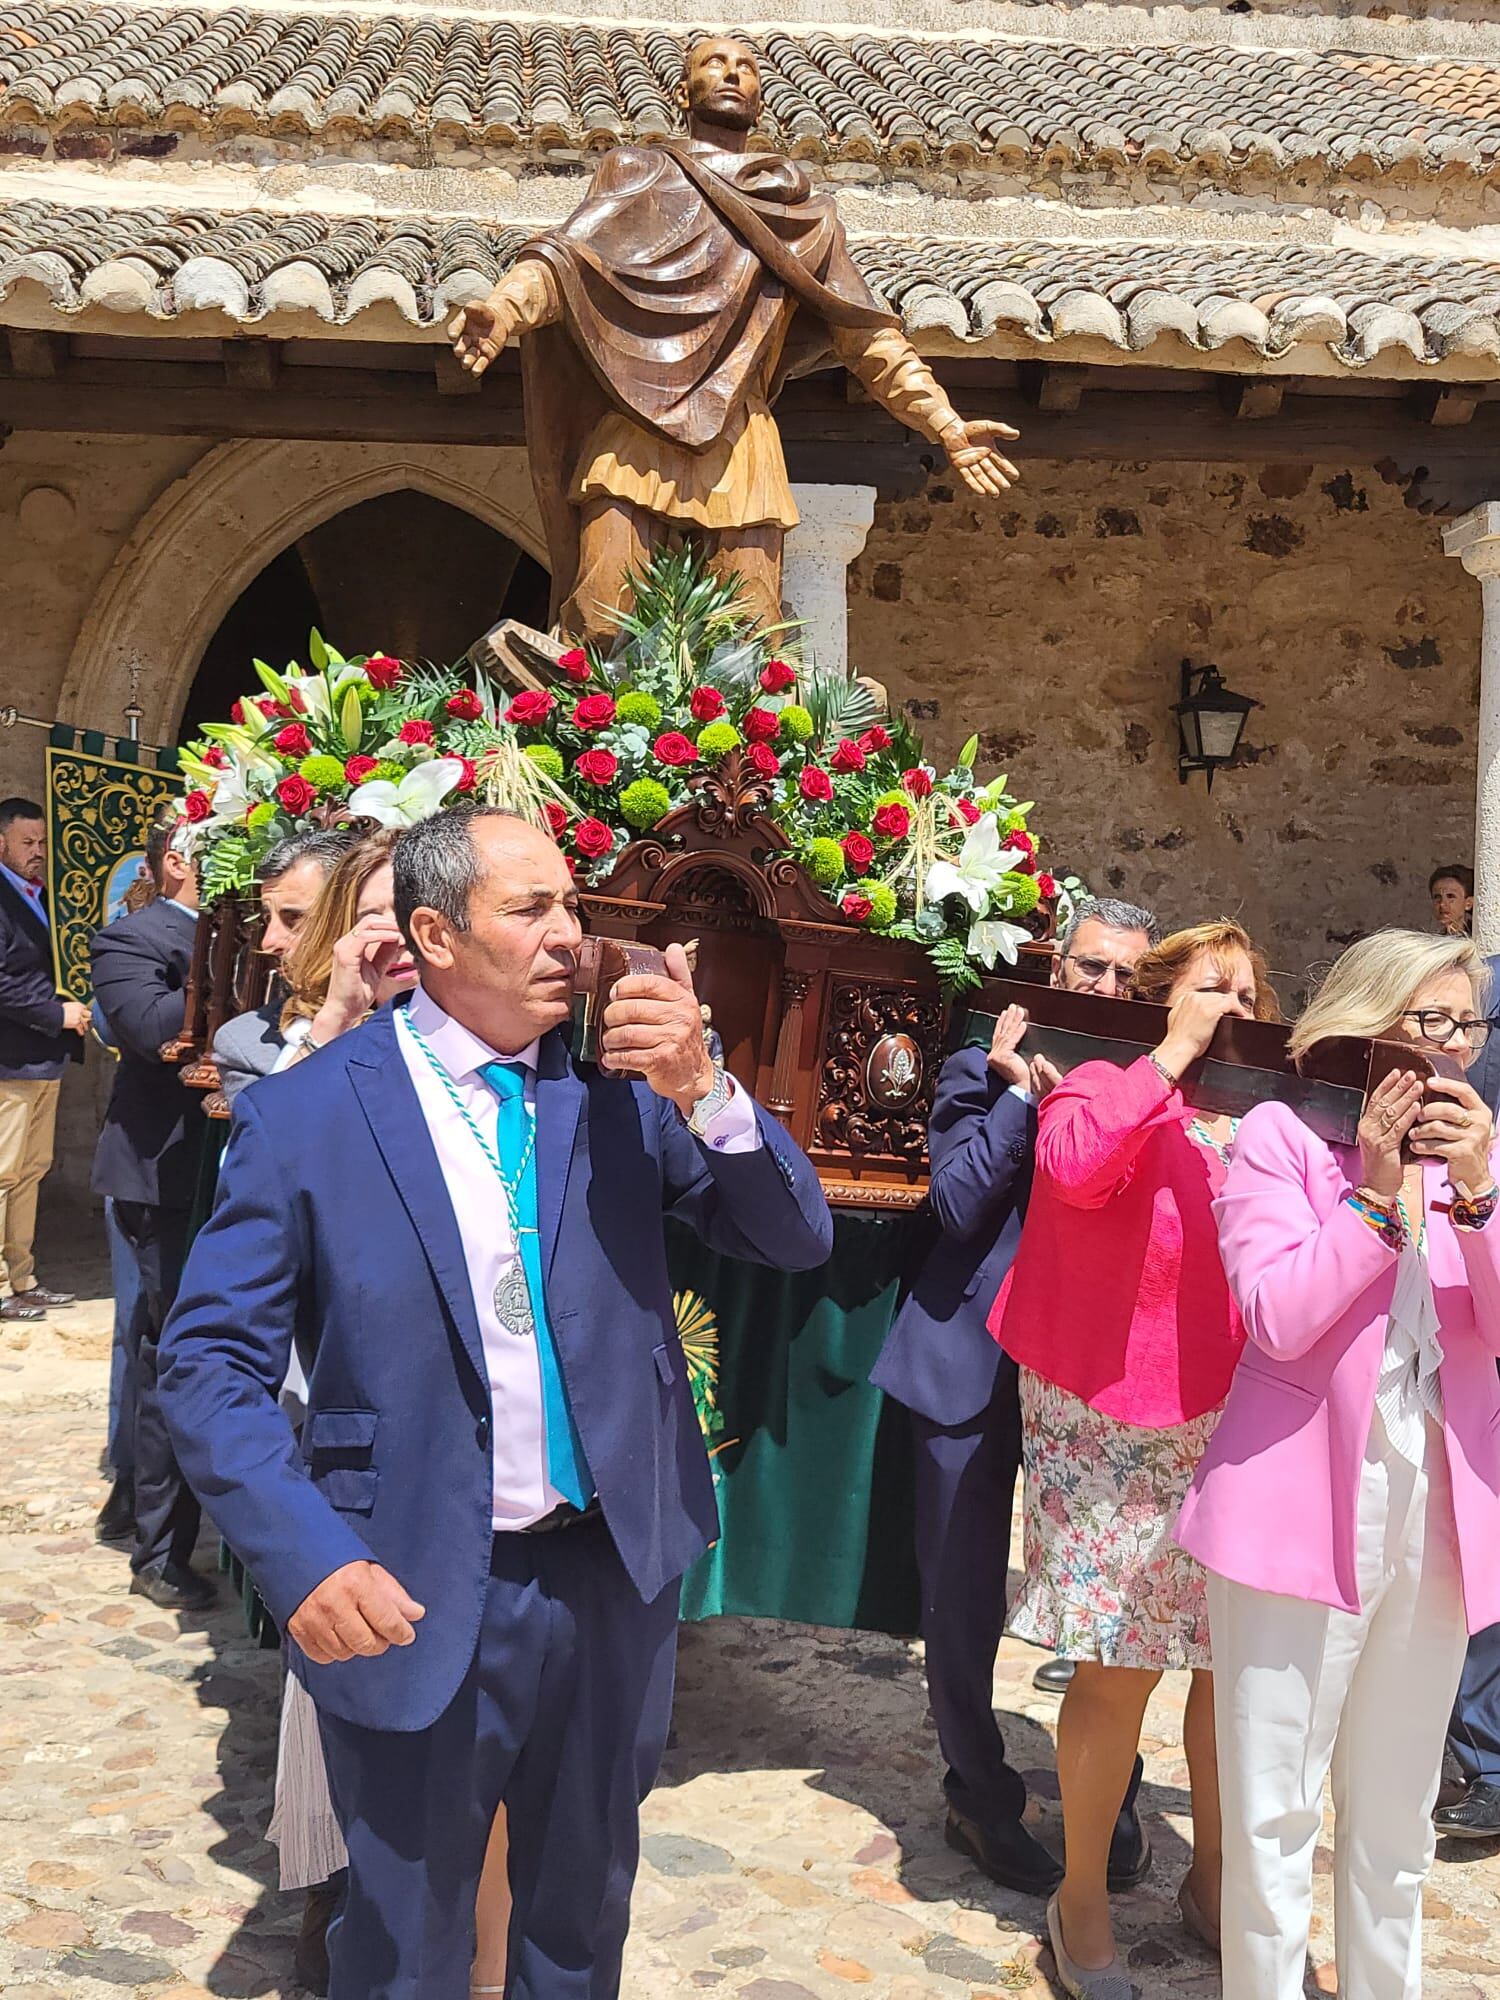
x,y
101,802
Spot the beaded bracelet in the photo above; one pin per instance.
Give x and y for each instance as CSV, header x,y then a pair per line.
x,y
1384,1221
1473,1211
1172,1082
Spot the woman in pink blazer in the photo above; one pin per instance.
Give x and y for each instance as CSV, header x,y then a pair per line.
x,y
1117,1310
1348,1506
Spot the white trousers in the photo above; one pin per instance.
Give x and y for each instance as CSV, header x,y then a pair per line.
x,y
1299,1688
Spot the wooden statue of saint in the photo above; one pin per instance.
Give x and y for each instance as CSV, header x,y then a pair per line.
x,y
657,325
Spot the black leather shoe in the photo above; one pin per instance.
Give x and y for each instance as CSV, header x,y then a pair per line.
x,y
115,1522
1053,1677
174,1587
1454,1783
310,1958
1130,1858
1008,1855
1476,1816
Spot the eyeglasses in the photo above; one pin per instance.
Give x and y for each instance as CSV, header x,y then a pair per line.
x,y
1093,971
1439,1028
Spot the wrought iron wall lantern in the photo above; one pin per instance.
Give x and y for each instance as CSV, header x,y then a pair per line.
x,y
1210,722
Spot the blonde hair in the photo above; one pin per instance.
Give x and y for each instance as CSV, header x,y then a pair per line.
x,y
1371,985
1158,972
309,963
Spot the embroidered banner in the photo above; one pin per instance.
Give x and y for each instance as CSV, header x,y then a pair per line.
x,y
102,799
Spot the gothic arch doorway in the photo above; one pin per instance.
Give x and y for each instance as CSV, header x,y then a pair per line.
x,y
402,573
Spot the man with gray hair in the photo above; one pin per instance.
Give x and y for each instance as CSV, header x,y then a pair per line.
x,y
290,878
964,1396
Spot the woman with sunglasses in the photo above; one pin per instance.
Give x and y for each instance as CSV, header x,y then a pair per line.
x,y
1348,1505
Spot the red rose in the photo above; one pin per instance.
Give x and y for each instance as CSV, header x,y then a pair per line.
x,y
269,708
859,851
762,758
297,795
197,805
382,671
237,711
465,706
595,711
1027,846
672,747
597,766
892,822
357,769
815,783
592,838
857,906
214,757
847,756
968,810
570,864
470,776
531,708
873,740
776,676
1047,885
557,819
917,782
416,732
761,725
575,664
707,704
293,741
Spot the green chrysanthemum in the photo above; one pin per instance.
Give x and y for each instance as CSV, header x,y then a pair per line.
x,y
1020,894
1013,823
644,802
796,722
635,706
883,903
825,862
388,769
717,739
547,756
261,815
896,798
321,771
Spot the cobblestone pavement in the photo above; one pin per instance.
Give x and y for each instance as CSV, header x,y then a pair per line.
x,y
792,1849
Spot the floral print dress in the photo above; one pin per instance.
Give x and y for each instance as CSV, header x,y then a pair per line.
x,y
1105,1579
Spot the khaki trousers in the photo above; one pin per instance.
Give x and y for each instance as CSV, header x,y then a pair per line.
x,y
616,537
28,1120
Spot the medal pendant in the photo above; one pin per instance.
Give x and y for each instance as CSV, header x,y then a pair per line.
x,y
513,1301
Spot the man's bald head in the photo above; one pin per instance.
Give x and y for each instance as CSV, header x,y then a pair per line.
x,y
720,90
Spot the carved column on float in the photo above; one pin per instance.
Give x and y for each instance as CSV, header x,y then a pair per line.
x,y
783,1095
815,567
1475,540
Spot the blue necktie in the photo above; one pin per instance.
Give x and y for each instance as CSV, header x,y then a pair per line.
x,y
567,1468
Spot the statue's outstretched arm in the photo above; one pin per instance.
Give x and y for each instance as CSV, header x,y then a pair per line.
x,y
901,382
525,298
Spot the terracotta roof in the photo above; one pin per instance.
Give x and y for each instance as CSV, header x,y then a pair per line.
x,y
869,96
168,263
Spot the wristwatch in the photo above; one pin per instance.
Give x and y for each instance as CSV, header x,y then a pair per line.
x,y
711,1103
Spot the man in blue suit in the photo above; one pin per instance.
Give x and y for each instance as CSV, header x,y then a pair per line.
x,y
963,1392
1470,1804
476,1549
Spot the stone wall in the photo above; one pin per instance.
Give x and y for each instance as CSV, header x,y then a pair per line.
x,y
1054,624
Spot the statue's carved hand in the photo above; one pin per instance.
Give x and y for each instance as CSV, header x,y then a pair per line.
x,y
972,454
478,334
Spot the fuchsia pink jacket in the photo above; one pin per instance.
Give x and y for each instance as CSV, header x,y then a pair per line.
x,y
1274,1501
1117,1292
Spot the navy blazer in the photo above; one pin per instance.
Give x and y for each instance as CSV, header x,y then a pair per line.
x,y
1484,1071
940,1358
333,1230
150,1145
33,1041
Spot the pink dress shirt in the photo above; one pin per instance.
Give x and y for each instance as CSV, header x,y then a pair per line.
x,y
523,1493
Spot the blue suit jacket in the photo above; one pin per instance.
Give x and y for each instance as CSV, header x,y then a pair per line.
x,y
1484,1072
151,1142
333,1229
940,1358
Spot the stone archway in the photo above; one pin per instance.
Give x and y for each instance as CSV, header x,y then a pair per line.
x,y
191,554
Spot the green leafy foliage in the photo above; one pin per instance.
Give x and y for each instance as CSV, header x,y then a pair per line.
x,y
951,962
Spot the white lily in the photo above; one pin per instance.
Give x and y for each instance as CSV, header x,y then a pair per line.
x,y
992,937
976,874
233,797
418,795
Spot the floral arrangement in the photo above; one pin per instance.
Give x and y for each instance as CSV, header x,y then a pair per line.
x,y
608,748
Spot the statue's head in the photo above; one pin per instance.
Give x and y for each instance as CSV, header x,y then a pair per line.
x,y
721,85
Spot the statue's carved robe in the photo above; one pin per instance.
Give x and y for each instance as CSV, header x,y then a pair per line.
x,y
662,319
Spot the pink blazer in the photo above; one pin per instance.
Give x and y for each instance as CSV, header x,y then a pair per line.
x,y
1274,1503
1117,1292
